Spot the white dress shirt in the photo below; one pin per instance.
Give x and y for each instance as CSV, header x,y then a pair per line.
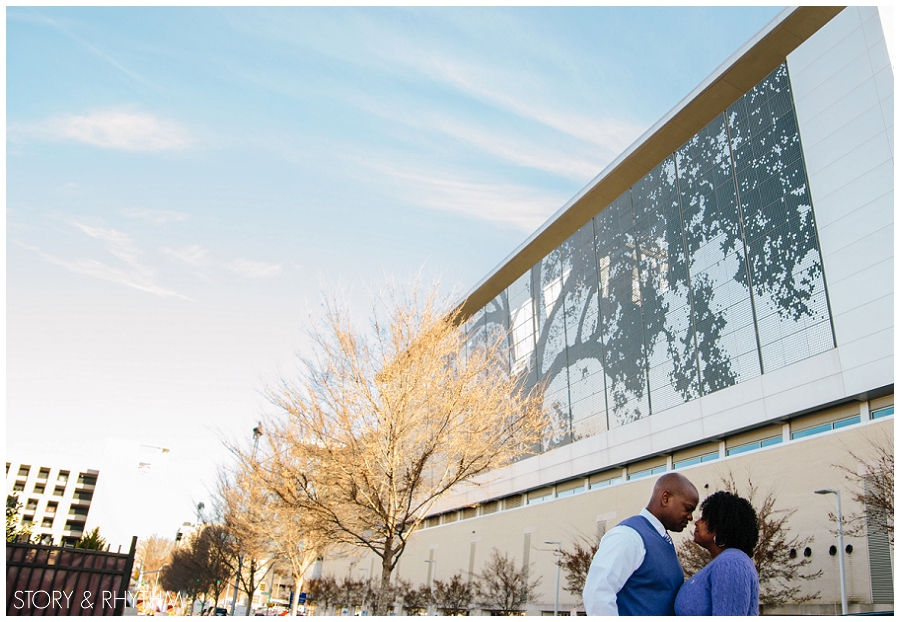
x,y
621,552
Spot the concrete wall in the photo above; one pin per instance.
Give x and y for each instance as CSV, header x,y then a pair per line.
x,y
843,89
791,471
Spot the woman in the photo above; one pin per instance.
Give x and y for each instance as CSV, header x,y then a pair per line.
x,y
728,585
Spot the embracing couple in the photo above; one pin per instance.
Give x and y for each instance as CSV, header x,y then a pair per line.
x,y
636,570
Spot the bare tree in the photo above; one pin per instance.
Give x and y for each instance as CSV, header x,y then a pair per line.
x,y
503,588
200,565
245,515
453,597
350,593
323,591
153,553
872,487
265,527
778,564
382,423
414,599
577,562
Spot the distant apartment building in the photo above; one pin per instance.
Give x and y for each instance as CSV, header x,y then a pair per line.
x,y
55,500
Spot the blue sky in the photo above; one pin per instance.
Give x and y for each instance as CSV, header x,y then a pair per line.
x,y
181,184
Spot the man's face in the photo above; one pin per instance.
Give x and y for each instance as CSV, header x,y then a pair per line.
x,y
679,509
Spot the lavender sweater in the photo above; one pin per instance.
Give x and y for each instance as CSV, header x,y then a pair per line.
x,y
727,586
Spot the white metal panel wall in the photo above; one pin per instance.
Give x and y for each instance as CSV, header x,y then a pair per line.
x,y
843,90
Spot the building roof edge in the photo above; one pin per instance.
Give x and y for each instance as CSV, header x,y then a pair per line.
x,y
752,62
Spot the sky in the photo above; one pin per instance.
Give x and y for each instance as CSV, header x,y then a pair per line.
x,y
183,184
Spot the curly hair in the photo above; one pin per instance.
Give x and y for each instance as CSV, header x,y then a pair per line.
x,y
732,519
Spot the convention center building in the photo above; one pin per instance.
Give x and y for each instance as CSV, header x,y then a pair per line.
x,y
719,302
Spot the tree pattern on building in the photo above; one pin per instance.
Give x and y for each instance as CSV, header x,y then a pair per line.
x,y
704,274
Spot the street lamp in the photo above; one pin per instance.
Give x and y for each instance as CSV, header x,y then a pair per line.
x,y
257,432
431,584
558,559
840,530
365,589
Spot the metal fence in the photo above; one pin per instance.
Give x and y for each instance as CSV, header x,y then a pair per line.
x,y
54,580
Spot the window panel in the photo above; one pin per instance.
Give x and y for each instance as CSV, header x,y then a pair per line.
x,y
620,315
783,251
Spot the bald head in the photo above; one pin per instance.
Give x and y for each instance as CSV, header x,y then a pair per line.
x,y
673,501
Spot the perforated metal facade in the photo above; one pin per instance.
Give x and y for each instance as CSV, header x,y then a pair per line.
x,y
705,273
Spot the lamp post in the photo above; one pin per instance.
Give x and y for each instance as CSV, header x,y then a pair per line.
x,y
840,531
365,590
558,559
431,584
237,579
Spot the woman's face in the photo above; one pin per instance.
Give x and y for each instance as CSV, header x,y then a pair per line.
x,y
702,535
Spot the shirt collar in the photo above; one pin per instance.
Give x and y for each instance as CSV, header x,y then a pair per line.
x,y
654,521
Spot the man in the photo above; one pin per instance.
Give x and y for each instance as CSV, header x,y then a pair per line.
x,y
636,570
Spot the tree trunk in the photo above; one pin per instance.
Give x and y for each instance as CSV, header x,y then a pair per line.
x,y
381,608
298,583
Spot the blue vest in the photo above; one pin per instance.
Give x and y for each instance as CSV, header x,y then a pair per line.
x,y
652,589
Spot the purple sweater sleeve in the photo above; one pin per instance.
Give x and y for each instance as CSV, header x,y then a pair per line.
x,y
731,581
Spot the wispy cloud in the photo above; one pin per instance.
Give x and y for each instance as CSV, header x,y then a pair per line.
x,y
156,217
133,274
194,255
484,84
109,129
253,269
117,243
522,207
572,160
37,17
140,279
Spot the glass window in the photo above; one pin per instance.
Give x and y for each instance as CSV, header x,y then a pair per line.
x,y
733,451
19,486
51,507
59,491
843,423
87,480
31,504
63,477
44,473
47,522
606,482
24,470
571,491
819,429
883,412
689,462
766,442
541,499
39,489
697,460
825,427
647,472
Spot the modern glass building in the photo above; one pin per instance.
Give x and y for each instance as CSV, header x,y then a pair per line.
x,y
718,300
705,273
